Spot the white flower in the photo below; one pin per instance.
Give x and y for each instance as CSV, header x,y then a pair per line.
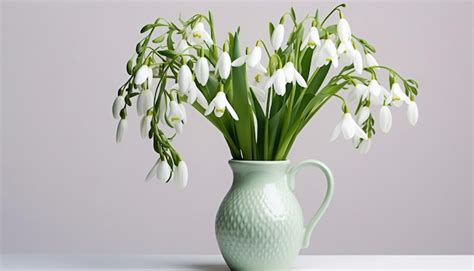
x,y
183,48
143,74
360,90
374,88
145,125
177,116
119,103
223,65
256,82
194,94
325,53
370,60
278,80
364,146
121,129
202,71
180,176
277,36
344,30
219,105
163,171
385,119
349,128
292,75
144,101
198,35
349,56
252,60
363,115
399,96
412,113
184,78
311,39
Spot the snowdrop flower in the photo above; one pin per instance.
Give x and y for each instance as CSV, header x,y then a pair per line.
x,y
349,128
351,56
144,101
184,78
412,113
311,39
252,59
194,94
278,80
143,74
370,60
145,125
180,176
292,75
119,103
385,119
325,53
121,129
177,116
364,146
399,96
163,171
183,48
219,105
374,88
198,35
277,36
256,82
202,71
360,90
344,31
223,65
363,115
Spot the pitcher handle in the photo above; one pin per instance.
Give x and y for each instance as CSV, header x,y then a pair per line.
x,y
327,199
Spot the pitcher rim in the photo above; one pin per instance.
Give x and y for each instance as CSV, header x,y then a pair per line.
x,y
257,162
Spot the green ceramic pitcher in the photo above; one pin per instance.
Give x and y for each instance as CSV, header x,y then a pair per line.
x,y
260,224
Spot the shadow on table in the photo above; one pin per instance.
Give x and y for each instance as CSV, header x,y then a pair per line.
x,y
208,267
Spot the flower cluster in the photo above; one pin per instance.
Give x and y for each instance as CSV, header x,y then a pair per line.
x,y
259,99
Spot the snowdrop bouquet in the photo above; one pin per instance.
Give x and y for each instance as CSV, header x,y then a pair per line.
x,y
259,98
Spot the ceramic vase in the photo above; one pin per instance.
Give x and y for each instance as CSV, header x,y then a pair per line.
x,y
260,224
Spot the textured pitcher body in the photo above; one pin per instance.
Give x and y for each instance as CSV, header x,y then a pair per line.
x,y
260,224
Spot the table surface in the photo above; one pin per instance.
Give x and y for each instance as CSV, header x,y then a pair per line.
x,y
215,262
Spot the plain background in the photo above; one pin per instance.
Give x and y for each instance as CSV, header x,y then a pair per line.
x,y
68,188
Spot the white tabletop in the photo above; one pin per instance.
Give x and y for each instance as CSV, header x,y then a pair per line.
x,y
215,263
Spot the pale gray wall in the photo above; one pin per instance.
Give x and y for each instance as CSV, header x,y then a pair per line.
x,y
68,188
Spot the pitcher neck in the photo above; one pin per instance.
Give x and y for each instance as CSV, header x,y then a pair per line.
x,y
259,171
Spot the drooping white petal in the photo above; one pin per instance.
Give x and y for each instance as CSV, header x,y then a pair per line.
x,y
210,108
184,78
192,93
144,101
141,75
145,126
398,93
363,115
224,65
359,132
201,100
289,70
314,37
358,63
261,68
360,90
370,60
374,88
163,171
304,43
344,30
202,71
180,176
365,145
269,82
231,111
278,36
121,129
347,126
254,57
412,113
239,61
152,173
336,132
385,119
280,82
300,80
118,105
